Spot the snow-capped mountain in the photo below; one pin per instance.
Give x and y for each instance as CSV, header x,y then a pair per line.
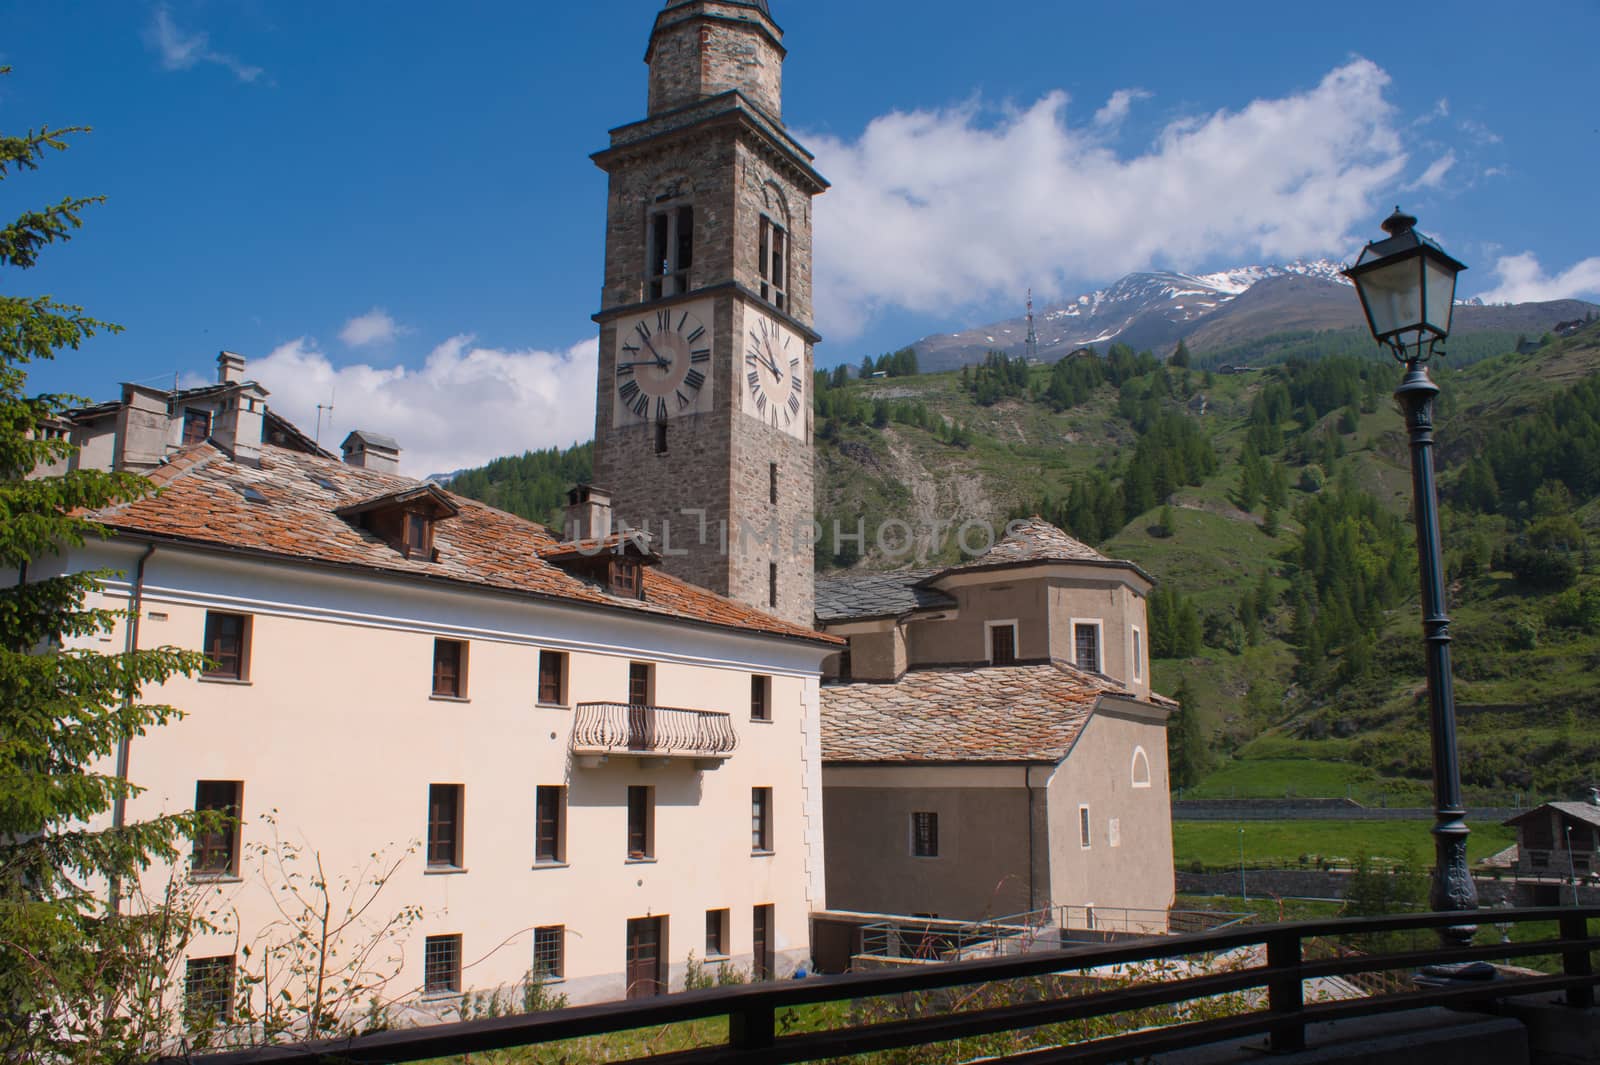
x,y
1147,310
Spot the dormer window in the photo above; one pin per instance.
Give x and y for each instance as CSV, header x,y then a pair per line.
x,y
196,425
627,578
405,520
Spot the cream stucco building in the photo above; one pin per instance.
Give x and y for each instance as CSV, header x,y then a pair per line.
x,y
597,769
991,744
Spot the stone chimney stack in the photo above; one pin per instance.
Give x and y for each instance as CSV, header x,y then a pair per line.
x,y
371,451
588,513
142,424
238,425
230,368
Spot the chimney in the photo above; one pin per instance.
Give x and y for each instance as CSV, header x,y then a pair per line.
x,y
230,368
238,426
142,426
588,513
371,451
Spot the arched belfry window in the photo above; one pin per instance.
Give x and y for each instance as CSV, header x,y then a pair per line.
x,y
773,249
1141,768
669,242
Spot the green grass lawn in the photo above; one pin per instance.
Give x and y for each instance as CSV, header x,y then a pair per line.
x,y
1216,843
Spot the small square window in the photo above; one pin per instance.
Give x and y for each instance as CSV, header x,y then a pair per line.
x,y
925,834
549,954
626,578
716,933
761,820
641,823
441,965
444,826
216,850
1086,640
208,991
227,646
1003,645
196,425
550,809
760,698
450,668
553,678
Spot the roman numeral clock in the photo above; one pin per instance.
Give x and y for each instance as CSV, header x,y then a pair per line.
x,y
775,375
663,364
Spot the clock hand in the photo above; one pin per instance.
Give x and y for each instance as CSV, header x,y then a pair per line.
x,y
664,363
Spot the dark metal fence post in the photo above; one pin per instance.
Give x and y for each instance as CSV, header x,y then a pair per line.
x,y
752,1026
1577,961
1285,993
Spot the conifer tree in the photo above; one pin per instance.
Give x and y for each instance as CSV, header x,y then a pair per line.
x,y
63,710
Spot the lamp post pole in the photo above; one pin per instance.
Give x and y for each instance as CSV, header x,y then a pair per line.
x,y
1407,286
1453,889
1572,867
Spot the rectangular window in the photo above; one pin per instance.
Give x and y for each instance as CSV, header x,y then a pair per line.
x,y
761,959
1003,645
761,820
227,645
627,578
1083,827
640,678
196,425
760,698
548,952
208,990
450,668
772,483
925,834
441,965
416,536
553,678
641,823
444,826
661,437
1138,655
772,585
550,809
716,933
216,850
1086,637
670,252
773,254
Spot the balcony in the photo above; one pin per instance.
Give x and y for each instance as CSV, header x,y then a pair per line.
x,y
655,735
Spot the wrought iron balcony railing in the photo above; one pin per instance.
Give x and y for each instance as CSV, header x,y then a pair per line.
x,y
604,729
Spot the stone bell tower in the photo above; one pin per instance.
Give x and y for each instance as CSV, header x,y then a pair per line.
x,y
703,419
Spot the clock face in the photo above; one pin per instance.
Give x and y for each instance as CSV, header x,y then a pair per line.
x,y
775,375
663,365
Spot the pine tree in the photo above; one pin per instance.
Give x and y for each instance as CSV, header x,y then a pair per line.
x,y
1180,356
65,710
1188,756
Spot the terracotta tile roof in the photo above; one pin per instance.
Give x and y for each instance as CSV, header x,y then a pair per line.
x,y
876,595
1025,713
202,502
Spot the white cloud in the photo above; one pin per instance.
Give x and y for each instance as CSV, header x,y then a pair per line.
x,y
1116,109
462,407
374,327
1434,175
1479,132
934,209
181,51
1522,279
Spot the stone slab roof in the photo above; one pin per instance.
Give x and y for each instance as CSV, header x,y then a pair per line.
x,y
202,502
1025,713
876,595
1586,812
1036,540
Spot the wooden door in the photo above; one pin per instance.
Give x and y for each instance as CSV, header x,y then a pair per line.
x,y
644,971
641,716
761,960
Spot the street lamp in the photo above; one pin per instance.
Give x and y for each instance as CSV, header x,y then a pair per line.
x,y
1407,285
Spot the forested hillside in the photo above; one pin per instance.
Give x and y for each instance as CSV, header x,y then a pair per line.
x,y
1271,500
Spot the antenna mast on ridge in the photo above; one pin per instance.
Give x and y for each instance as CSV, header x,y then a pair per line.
x,y
1033,335
328,406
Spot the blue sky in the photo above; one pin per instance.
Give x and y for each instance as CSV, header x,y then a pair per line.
x,y
393,204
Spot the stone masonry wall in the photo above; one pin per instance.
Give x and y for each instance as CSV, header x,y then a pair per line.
x,y
693,57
